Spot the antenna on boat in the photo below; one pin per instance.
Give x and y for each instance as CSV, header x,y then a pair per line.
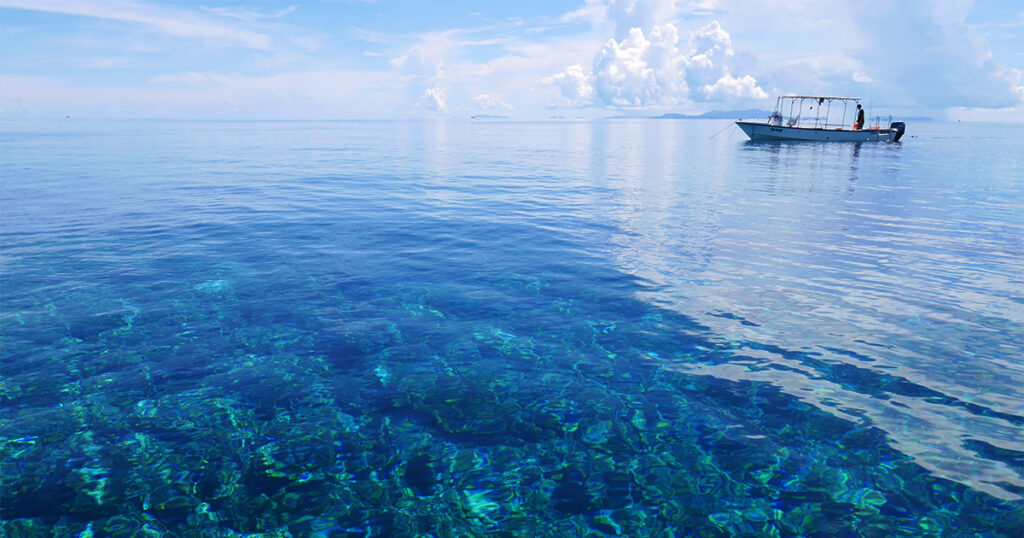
x,y
871,98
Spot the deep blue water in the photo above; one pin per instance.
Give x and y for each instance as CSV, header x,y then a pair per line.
x,y
464,328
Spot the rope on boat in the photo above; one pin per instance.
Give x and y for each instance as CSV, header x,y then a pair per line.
x,y
719,132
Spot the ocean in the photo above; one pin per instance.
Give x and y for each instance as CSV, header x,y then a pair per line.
x,y
502,328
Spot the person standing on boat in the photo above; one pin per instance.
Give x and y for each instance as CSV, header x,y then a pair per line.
x,y
860,118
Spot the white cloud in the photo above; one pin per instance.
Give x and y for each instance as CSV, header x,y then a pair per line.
x,y
574,85
644,14
641,71
247,15
595,11
825,74
913,57
659,70
680,54
434,99
428,55
709,59
424,65
729,86
927,54
488,101
862,78
710,45
167,21
701,6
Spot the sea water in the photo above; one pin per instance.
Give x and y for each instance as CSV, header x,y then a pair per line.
x,y
490,327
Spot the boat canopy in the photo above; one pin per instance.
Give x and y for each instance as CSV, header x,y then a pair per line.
x,y
817,114
820,97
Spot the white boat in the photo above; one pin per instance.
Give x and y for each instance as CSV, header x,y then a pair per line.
x,y
807,117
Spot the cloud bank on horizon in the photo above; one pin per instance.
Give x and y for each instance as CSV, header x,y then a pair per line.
x,y
589,58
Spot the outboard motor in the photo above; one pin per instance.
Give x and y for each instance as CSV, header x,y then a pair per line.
x,y
897,128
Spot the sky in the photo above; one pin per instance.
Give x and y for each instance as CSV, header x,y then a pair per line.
x,y
353,59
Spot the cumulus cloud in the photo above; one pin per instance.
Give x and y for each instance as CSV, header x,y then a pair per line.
x,y
574,84
659,68
710,44
729,86
710,58
921,54
641,71
434,99
423,63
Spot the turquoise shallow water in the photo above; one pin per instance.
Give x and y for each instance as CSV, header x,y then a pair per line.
x,y
464,328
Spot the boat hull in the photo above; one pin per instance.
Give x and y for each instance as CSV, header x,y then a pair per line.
x,y
764,131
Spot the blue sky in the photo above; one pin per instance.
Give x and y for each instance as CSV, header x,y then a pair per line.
x,y
263,59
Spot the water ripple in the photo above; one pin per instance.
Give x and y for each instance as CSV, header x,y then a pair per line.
x,y
567,328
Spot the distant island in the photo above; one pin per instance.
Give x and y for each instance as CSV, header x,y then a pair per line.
x,y
487,117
